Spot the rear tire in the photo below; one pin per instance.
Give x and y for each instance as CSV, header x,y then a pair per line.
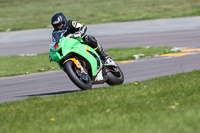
x,y
83,82
115,78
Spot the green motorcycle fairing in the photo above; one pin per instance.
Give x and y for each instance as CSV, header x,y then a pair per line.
x,y
65,46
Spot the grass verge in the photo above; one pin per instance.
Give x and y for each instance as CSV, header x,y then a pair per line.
x,y
19,65
164,104
26,14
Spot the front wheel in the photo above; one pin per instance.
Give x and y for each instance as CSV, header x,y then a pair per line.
x,y
115,75
83,81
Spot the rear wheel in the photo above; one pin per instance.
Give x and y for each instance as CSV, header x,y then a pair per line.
x,y
80,79
115,75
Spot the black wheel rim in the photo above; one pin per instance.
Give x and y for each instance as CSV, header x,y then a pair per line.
x,y
116,72
81,76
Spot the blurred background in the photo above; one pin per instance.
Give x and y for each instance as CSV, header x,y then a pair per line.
x,y
34,14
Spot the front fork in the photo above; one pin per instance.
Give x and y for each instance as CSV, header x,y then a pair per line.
x,y
77,63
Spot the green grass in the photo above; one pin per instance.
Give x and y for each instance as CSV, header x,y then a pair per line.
x,y
26,14
167,104
19,65
120,54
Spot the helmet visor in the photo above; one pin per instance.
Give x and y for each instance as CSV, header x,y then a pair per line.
x,y
58,26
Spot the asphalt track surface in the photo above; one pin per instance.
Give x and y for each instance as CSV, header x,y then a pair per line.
x,y
182,32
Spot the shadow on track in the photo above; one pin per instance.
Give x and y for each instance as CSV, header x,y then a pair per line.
x,y
50,94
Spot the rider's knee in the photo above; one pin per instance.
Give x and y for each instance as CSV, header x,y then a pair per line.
x,y
90,40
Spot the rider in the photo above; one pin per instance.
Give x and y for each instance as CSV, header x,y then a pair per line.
x,y
60,22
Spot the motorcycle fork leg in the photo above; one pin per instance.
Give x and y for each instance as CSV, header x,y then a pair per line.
x,y
77,63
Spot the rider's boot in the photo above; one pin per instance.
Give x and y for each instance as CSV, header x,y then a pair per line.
x,y
108,61
92,42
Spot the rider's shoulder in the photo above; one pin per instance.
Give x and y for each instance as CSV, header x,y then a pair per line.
x,y
72,23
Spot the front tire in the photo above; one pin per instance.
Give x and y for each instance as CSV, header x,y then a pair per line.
x,y
83,81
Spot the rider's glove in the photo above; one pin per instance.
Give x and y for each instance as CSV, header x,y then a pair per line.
x,y
77,34
74,35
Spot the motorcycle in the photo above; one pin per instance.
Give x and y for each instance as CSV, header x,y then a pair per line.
x,y
81,63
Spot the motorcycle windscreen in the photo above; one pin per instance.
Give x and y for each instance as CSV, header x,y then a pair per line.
x,y
55,37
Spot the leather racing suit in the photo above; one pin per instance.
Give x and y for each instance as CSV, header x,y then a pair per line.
x,y
79,29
